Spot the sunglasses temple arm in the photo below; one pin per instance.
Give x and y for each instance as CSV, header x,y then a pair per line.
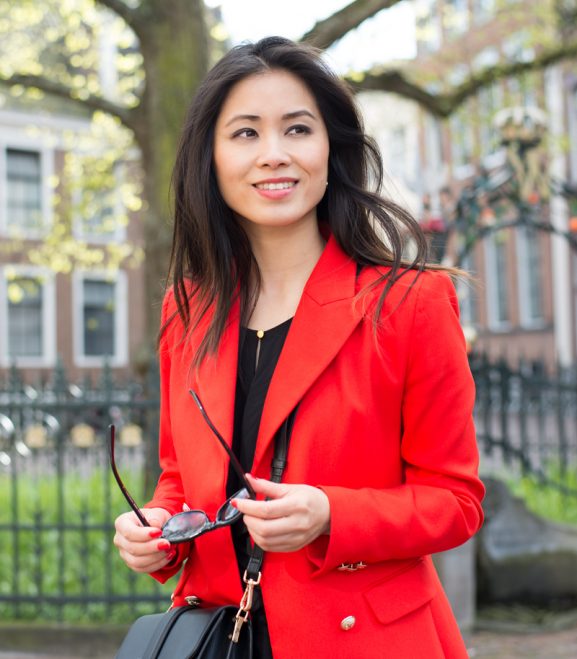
x,y
233,459
123,489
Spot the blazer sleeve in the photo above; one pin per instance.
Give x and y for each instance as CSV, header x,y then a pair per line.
x,y
169,492
438,504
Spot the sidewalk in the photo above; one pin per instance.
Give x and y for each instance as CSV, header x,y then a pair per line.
x,y
482,645
529,645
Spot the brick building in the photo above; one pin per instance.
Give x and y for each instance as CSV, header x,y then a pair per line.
x,y
525,302
63,307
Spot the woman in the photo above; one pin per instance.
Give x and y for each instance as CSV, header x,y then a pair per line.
x,y
289,290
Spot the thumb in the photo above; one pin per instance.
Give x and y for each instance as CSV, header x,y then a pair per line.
x,y
267,488
156,517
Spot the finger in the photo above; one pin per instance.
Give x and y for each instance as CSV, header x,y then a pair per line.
x,y
277,540
269,528
149,563
271,509
153,547
268,488
135,533
129,525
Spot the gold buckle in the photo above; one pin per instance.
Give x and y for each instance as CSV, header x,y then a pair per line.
x,y
352,567
245,605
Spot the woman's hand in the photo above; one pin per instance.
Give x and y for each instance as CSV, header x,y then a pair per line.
x,y
140,546
293,517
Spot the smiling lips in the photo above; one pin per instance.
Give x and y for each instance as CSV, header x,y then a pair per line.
x,y
276,189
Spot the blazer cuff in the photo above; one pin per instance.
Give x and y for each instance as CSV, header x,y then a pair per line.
x,y
329,552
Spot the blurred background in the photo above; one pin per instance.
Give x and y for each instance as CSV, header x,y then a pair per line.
x,y
474,105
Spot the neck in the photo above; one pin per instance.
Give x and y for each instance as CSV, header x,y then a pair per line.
x,y
286,256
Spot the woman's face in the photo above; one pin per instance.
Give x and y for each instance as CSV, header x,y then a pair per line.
x,y
271,151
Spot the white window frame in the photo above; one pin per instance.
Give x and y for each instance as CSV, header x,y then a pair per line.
x,y
47,284
21,143
525,319
493,276
468,301
572,120
119,279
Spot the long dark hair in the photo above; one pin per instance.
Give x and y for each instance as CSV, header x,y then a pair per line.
x,y
211,256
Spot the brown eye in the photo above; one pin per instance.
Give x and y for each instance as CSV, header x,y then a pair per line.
x,y
300,129
245,132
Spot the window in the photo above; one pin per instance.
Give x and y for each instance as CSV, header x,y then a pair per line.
x,y
482,10
434,174
398,152
519,46
572,120
497,281
467,292
428,21
100,323
490,101
98,320
23,191
455,17
461,143
25,194
28,330
530,277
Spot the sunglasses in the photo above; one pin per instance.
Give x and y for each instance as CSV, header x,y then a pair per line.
x,y
190,524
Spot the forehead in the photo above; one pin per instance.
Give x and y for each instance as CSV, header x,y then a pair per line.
x,y
269,92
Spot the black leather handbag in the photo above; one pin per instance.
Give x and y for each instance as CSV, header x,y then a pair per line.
x,y
189,632
186,632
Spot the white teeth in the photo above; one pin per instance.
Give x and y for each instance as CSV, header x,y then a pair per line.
x,y
276,186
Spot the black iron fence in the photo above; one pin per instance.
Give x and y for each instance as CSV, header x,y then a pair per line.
x,y
526,419
58,499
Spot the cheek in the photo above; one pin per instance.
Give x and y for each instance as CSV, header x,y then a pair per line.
x,y
226,170
320,161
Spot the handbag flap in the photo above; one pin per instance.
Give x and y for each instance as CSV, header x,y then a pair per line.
x,y
181,633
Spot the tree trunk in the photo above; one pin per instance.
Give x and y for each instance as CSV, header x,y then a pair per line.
x,y
174,45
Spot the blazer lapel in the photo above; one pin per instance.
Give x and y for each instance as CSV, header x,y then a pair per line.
x,y
324,320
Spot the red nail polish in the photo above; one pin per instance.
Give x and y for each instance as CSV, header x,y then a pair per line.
x,y
233,503
163,545
155,533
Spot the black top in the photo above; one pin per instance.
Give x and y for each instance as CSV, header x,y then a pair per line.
x,y
258,354
257,359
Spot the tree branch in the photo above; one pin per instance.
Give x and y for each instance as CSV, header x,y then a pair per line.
x,y
125,114
443,105
331,29
129,15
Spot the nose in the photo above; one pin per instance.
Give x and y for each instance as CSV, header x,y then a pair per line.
x,y
272,153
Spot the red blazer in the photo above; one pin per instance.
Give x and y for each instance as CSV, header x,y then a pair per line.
x,y
384,427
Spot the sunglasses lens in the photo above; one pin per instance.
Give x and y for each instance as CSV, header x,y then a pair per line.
x,y
228,513
184,526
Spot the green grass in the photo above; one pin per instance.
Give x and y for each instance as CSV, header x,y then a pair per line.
x,y
78,563
547,501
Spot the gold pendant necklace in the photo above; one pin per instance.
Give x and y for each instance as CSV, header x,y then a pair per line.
x,y
260,337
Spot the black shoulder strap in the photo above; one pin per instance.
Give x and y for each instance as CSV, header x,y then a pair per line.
x,y
279,462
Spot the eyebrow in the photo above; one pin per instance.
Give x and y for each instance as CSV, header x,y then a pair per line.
x,y
285,117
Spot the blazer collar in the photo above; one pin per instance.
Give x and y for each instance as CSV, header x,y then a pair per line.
x,y
325,318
